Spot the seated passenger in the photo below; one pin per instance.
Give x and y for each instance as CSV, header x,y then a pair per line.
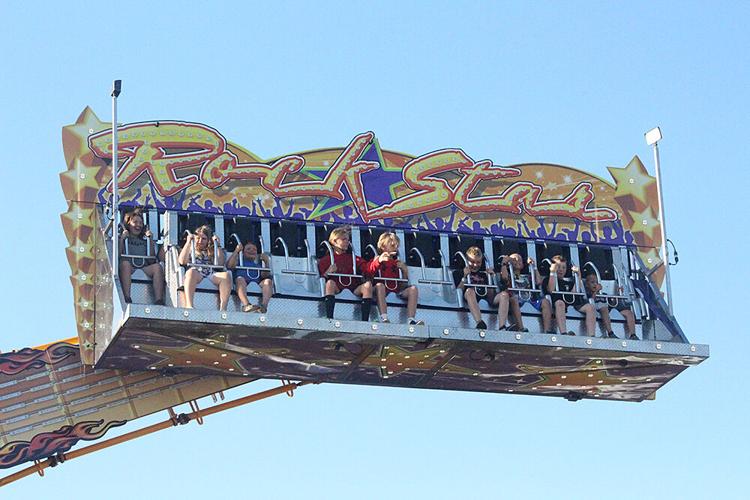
x,y
476,273
386,265
513,297
203,239
139,242
243,277
560,267
342,264
601,304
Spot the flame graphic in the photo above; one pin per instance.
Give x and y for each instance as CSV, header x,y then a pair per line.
x,y
15,362
49,443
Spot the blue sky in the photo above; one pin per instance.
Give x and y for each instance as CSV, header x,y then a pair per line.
x,y
573,83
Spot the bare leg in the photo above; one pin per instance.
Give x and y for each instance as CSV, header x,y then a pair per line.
x,y
224,281
266,289
192,278
606,322
560,316
515,309
412,296
126,270
156,273
366,289
546,315
471,300
380,293
503,303
590,313
630,320
241,286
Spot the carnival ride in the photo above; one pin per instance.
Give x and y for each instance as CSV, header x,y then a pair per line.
x,y
134,359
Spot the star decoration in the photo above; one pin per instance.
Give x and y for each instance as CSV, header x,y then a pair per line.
x,y
379,185
588,375
194,356
77,223
651,259
635,187
75,136
82,182
646,227
394,360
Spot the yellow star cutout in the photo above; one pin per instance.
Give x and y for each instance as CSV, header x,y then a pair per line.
x,y
589,374
82,182
393,360
75,136
77,223
646,227
633,180
652,259
194,356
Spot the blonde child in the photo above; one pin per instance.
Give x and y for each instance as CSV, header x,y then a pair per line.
x,y
342,264
385,268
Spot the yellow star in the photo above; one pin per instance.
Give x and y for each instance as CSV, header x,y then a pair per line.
x,y
83,182
393,360
194,356
75,136
78,223
589,375
646,227
634,180
652,259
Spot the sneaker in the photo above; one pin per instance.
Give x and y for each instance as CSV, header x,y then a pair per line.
x,y
262,309
481,325
611,335
248,308
551,332
159,302
503,328
416,322
633,336
384,320
570,332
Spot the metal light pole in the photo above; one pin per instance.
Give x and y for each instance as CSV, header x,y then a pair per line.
x,y
653,137
116,89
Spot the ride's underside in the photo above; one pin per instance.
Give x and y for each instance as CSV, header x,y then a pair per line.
x,y
165,339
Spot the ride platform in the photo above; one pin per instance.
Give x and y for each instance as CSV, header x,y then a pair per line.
x,y
180,341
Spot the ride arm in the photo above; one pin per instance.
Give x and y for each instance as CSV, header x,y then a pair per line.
x,y
551,282
233,258
267,264
183,258
404,269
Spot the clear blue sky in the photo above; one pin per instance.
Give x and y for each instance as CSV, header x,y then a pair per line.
x,y
572,83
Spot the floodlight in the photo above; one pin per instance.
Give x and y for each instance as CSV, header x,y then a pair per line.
x,y
653,136
116,88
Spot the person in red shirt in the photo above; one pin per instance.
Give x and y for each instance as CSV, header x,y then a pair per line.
x,y
385,269
343,265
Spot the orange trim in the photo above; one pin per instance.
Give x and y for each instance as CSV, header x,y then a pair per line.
x,y
71,340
